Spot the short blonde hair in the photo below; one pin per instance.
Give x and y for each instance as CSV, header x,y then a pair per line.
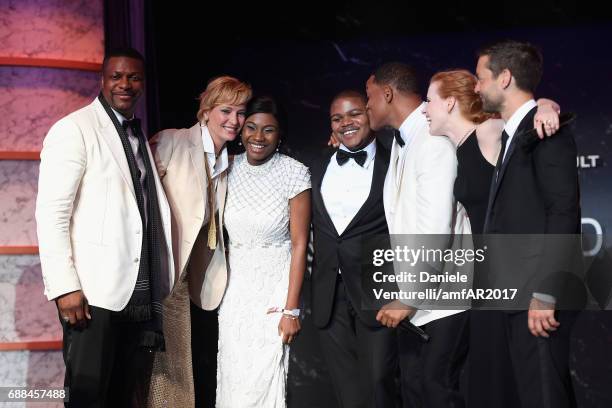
x,y
223,90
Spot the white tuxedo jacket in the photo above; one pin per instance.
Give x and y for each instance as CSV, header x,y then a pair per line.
x,y
418,192
88,223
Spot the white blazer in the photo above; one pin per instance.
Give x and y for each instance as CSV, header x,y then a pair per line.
x,y
88,223
418,192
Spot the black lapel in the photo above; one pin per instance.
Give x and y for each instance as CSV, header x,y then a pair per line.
x,y
381,164
317,198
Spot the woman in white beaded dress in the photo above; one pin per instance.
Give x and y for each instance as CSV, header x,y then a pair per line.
x,y
267,217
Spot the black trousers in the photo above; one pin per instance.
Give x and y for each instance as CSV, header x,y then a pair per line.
x,y
105,367
362,360
490,380
541,365
204,338
430,371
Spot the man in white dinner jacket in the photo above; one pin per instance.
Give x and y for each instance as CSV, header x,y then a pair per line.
x,y
418,199
104,233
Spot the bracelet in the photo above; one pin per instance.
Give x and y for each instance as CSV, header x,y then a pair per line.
x,y
289,317
291,312
286,312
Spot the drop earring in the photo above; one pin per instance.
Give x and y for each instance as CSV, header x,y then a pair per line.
x,y
278,146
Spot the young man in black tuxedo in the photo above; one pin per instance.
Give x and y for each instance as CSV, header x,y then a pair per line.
x,y
347,194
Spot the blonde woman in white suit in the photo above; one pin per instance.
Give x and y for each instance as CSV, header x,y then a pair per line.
x,y
192,164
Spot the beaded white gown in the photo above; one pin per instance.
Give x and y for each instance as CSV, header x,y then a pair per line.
x,y
252,361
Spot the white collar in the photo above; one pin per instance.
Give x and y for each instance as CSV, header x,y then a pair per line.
x,y
515,120
221,162
120,117
413,120
370,149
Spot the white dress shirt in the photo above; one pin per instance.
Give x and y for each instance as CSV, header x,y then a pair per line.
x,y
346,188
515,120
135,145
217,165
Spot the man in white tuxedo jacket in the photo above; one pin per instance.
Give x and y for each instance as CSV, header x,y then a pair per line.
x,y
418,199
104,232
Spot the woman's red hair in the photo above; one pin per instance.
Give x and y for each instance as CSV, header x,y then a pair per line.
x,y
460,84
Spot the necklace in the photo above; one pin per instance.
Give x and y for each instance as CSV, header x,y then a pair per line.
x,y
469,132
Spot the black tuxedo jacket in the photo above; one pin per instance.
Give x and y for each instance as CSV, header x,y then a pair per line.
x,y
333,251
537,187
536,193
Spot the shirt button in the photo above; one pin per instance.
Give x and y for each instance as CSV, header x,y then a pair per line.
x,y
136,260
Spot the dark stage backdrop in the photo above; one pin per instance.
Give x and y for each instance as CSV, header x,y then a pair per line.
x,y
305,75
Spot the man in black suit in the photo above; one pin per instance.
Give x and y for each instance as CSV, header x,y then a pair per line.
x,y
534,191
347,210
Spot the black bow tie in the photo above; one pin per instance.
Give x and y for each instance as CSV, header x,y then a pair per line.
x,y
398,138
134,124
360,157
